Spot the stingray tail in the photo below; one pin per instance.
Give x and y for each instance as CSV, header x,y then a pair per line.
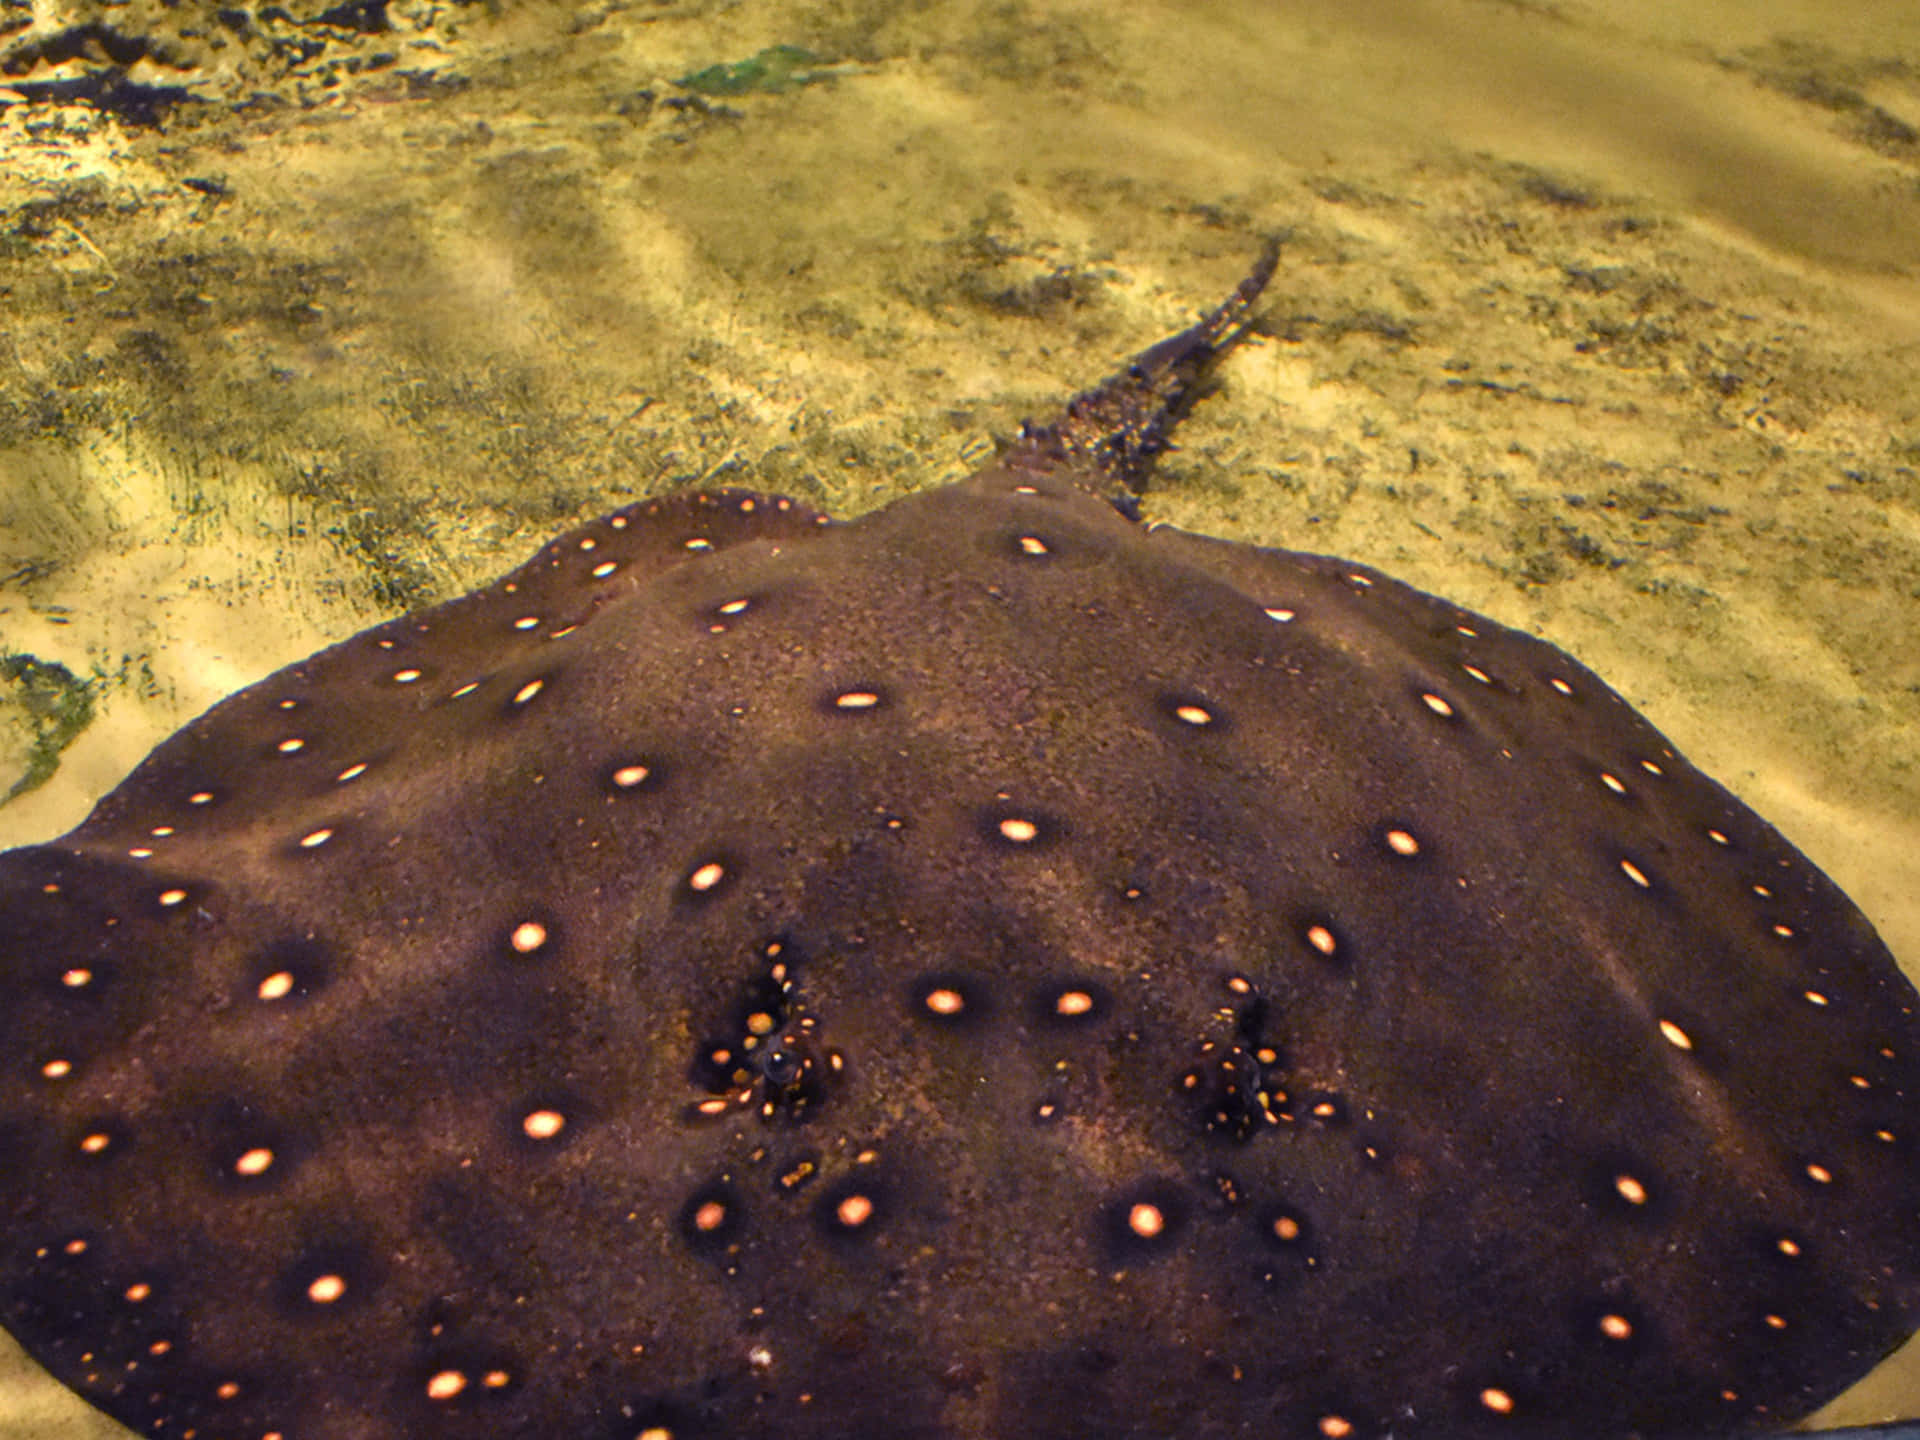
x,y
1113,432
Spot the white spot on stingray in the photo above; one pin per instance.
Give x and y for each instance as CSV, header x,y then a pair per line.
x,y
1146,1220
1019,831
464,690
1634,873
57,1069
1718,838
276,986
290,745
604,569
1336,1427
1616,1327
161,831
1763,892
526,622
1676,1037
313,839
760,1357
706,876
227,1390
1497,1400
854,1211
1630,1189
1814,997
618,522
543,1124
95,1143
1819,1174
445,1385
655,1432
405,677
1321,939
140,852
1402,843
945,1001
1193,714
200,797
527,691
325,1289
1651,768
1612,783
528,936
138,1292
1437,705
628,776
1032,545
352,772
735,607
256,1161
1072,1003
1282,615
857,700
699,542
1560,685
1477,673
1365,582
1785,932
172,897
75,978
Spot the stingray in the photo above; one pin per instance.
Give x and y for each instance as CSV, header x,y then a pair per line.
x,y
992,968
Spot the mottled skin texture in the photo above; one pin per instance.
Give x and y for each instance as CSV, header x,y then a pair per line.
x,y
1191,990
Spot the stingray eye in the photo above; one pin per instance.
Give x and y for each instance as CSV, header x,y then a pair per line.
x,y
781,1066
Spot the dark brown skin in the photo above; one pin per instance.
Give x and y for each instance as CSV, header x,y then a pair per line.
x,y
1016,975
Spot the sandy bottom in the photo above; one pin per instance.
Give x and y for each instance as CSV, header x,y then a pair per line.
x,y
1600,319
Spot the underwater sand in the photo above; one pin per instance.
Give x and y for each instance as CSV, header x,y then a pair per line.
x,y
1600,320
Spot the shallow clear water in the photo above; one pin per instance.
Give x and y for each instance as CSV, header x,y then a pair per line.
x,y
1601,320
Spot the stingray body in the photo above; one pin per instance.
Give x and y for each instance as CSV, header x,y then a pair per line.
x,y
988,969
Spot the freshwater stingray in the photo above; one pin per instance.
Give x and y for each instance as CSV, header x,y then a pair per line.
x,y
989,969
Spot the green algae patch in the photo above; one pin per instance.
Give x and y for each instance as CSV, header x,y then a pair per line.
x,y
43,708
771,71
